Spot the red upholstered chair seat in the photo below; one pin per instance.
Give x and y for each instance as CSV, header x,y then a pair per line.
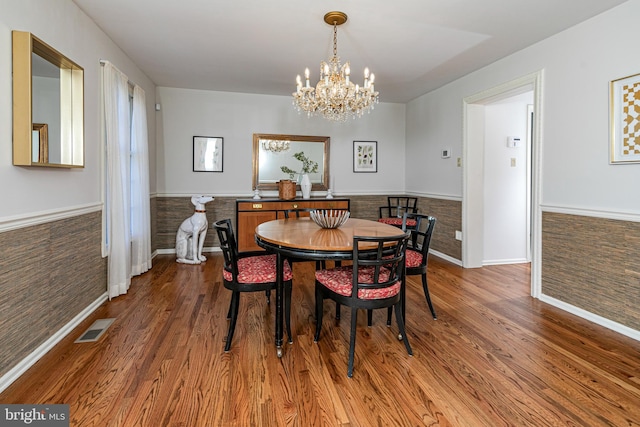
x,y
397,221
258,269
413,258
340,279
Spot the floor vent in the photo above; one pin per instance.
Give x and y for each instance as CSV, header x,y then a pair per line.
x,y
95,331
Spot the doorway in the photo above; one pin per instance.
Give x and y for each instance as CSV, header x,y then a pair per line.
x,y
506,183
473,203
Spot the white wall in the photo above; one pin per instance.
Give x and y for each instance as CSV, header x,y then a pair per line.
x,y
578,65
26,191
433,124
505,185
186,113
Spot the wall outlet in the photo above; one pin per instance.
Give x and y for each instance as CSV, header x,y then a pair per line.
x,y
458,235
459,162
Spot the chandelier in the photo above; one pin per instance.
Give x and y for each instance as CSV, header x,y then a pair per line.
x,y
275,145
335,96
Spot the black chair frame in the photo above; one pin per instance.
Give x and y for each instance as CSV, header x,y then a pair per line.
x,y
390,255
420,242
397,206
231,256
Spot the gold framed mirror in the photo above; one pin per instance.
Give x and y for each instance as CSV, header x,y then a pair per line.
x,y
273,152
48,89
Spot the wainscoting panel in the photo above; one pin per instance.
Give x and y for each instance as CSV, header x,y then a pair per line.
x,y
48,274
366,207
592,263
448,214
171,211
153,207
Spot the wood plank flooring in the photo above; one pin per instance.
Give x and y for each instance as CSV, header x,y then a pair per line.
x,y
494,357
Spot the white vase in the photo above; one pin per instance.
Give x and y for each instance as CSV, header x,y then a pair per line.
x,y
305,186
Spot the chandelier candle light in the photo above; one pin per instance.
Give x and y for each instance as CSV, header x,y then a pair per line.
x,y
335,96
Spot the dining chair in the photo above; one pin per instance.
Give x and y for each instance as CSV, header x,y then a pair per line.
x,y
392,214
249,272
297,211
373,281
417,256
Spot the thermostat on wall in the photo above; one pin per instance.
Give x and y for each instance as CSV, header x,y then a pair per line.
x,y
446,153
513,141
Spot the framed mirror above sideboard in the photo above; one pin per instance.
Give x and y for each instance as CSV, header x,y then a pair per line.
x,y
273,151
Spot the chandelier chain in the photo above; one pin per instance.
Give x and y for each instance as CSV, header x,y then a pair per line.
x,y
335,39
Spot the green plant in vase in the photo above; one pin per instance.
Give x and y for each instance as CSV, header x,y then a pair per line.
x,y
308,166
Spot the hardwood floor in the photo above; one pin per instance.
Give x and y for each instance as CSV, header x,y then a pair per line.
x,y
494,357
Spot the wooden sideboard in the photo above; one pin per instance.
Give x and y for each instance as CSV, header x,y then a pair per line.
x,y
250,213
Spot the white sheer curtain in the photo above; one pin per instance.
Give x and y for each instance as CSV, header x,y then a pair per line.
x,y
128,225
140,211
118,140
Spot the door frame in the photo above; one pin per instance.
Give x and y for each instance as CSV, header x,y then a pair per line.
x,y
473,172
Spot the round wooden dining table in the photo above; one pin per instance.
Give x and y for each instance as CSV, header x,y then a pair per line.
x,y
303,238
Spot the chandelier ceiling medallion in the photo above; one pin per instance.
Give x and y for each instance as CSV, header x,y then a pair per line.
x,y
335,97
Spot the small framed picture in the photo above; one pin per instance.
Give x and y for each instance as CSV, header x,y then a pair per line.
x,y
365,156
207,153
625,126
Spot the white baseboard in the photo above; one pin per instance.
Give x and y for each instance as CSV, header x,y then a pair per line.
x,y
173,250
165,251
587,315
445,257
7,379
505,261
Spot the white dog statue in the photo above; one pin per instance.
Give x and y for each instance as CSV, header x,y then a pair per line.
x,y
191,234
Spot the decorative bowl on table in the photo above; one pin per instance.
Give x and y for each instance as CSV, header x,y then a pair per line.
x,y
329,218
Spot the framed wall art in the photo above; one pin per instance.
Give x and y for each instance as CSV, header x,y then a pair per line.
x,y
365,156
207,153
625,120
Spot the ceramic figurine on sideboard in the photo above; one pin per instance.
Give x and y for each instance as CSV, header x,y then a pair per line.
x,y
330,189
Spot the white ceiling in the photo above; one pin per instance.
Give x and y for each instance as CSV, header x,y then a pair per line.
x,y
258,46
